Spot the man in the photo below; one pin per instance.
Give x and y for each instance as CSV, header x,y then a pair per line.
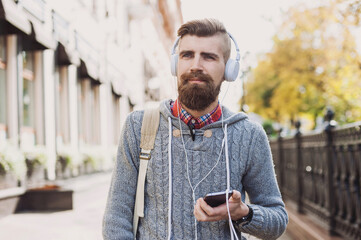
x,y
207,141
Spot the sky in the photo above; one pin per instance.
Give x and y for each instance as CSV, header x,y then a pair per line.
x,y
251,22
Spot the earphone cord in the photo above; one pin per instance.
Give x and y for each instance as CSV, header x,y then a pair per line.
x,y
170,187
224,142
231,227
221,108
188,177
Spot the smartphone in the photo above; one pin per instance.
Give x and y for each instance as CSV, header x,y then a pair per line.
x,y
217,198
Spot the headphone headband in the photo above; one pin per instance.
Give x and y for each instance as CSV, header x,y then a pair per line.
x,y
175,44
238,56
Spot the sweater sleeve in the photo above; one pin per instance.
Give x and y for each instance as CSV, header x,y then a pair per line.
x,y
118,216
269,214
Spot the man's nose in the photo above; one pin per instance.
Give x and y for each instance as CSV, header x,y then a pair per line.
x,y
197,64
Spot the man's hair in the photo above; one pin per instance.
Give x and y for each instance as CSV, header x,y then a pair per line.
x,y
206,28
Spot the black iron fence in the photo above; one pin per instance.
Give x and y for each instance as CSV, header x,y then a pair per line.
x,y
321,173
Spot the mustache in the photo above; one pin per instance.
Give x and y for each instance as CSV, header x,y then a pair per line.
x,y
201,76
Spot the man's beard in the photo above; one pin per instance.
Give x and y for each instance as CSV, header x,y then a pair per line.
x,y
197,96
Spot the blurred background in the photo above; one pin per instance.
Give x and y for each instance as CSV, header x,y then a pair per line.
x,y
71,71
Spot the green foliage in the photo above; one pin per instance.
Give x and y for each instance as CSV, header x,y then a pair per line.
x,y
97,157
270,130
36,154
4,166
71,155
312,65
12,160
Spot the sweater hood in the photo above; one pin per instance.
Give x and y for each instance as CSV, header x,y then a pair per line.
x,y
229,117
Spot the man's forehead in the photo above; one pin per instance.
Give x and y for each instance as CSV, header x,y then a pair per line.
x,y
213,44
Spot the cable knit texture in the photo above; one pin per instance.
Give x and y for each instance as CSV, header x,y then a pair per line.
x,y
252,171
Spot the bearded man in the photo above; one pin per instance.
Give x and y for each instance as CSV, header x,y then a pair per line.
x,y
211,150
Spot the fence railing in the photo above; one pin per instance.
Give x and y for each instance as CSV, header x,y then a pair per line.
x,y
321,173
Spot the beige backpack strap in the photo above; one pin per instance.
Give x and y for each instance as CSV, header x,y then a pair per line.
x,y
149,130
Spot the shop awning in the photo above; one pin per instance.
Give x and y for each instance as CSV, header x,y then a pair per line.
x,y
131,104
89,59
66,56
39,39
116,79
88,70
117,87
13,19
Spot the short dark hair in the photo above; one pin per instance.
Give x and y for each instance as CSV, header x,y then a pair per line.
x,y
206,28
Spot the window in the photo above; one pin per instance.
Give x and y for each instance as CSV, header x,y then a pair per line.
x,y
57,104
2,94
28,101
2,87
81,100
28,90
116,118
88,111
62,109
95,113
2,48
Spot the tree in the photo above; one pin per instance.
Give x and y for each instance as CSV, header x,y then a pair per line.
x,y
313,65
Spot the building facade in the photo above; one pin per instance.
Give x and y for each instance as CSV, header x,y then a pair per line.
x,y
70,73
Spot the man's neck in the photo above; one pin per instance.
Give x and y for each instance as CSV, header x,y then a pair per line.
x,y
197,114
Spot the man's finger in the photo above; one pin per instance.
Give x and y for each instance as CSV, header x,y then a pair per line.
x,y
215,213
208,209
204,213
199,213
236,196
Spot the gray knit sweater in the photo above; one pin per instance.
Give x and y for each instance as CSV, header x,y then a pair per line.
x,y
251,171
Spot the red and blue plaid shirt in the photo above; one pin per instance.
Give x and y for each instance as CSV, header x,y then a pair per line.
x,y
196,123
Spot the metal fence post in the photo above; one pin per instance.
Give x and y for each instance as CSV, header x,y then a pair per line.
x,y
299,169
330,171
281,168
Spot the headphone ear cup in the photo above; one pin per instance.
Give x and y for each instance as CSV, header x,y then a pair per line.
x,y
231,70
174,64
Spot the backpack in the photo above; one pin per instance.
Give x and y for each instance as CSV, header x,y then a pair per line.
x,y
149,130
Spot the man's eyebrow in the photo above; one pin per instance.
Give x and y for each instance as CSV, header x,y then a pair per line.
x,y
203,54
186,51
209,54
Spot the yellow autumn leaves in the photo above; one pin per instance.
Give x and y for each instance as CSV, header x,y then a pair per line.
x,y
313,65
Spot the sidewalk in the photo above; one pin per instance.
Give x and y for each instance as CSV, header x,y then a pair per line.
x,y
304,227
84,222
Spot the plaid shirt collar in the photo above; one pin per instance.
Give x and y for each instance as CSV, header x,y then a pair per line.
x,y
196,123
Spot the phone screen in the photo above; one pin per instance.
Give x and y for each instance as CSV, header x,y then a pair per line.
x,y
216,199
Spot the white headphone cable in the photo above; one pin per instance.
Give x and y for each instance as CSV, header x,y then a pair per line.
x,y
220,103
224,142
231,228
170,187
188,178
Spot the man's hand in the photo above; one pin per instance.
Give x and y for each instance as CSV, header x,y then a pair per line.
x,y
205,213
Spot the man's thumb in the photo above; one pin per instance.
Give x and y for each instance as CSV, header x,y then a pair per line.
x,y
236,196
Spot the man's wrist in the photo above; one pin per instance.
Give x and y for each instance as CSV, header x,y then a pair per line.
x,y
243,221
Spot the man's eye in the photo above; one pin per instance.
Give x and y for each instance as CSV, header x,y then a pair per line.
x,y
209,57
186,55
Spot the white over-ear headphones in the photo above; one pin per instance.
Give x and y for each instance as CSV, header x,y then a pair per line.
x,y
232,66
